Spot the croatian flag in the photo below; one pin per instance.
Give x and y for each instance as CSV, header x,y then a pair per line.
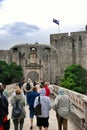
x,y
56,21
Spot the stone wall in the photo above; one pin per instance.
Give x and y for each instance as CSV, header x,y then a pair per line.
x,y
4,55
11,88
39,62
48,62
71,49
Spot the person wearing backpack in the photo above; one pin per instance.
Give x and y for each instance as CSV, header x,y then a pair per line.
x,y
3,109
18,101
27,86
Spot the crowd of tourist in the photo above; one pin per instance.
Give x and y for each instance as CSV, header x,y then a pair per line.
x,y
27,93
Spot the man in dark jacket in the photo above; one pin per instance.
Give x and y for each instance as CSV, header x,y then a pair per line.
x,y
30,101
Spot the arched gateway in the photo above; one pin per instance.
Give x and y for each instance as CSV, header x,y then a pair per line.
x,y
33,75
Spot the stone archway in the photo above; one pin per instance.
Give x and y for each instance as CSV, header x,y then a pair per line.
x,y
33,75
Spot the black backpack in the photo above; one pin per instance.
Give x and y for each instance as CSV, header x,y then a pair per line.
x,y
17,109
28,87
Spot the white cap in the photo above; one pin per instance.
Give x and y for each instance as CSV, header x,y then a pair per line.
x,y
0,84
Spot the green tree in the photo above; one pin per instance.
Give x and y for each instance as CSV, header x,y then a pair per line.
x,y
16,72
3,71
75,78
10,73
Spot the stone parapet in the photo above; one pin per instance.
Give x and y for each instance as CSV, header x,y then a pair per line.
x,y
80,106
11,88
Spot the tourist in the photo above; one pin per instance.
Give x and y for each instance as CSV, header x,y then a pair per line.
x,y
51,90
28,83
62,106
30,101
37,85
18,120
3,108
5,92
14,92
43,119
47,89
20,84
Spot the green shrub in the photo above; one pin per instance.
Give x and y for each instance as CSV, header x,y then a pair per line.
x,y
10,73
75,78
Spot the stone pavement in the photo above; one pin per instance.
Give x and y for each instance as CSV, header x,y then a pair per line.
x,y
52,121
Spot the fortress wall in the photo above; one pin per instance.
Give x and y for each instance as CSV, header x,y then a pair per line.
x,y
50,61
44,60
63,44
71,49
80,44
4,55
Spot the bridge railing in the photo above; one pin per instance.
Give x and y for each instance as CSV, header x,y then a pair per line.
x,y
80,103
10,88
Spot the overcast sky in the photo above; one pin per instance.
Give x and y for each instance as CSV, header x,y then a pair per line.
x,y
30,21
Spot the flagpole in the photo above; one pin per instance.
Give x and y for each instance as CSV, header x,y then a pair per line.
x,y
57,22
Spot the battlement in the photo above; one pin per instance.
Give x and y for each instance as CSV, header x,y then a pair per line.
x,y
55,38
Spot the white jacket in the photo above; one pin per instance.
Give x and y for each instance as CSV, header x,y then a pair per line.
x,y
46,105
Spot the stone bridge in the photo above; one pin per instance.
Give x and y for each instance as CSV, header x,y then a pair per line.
x,y
78,119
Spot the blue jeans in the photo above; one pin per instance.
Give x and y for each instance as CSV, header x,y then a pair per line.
x,y
31,113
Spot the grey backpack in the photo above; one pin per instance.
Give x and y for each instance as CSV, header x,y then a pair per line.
x,y
17,109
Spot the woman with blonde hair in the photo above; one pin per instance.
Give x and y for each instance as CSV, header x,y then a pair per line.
x,y
21,99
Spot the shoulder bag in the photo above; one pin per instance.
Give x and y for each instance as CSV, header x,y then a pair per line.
x,y
38,109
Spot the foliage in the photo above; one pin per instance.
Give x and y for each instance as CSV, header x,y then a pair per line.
x,y
75,78
3,70
10,73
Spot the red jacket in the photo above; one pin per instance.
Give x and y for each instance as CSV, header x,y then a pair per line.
x,y
47,90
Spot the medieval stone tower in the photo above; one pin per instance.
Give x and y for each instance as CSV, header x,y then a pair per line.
x,y
72,49
48,62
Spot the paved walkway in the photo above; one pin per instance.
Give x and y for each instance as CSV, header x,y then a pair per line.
x,y
52,121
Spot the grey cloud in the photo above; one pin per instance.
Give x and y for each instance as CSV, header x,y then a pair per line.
x,y
1,2
8,41
12,37
19,28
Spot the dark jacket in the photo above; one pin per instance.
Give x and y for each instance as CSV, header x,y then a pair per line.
x,y
31,98
3,107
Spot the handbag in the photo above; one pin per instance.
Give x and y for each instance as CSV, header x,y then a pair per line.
x,y
7,125
38,108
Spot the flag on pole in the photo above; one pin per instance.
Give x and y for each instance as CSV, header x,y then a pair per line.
x,y
56,21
